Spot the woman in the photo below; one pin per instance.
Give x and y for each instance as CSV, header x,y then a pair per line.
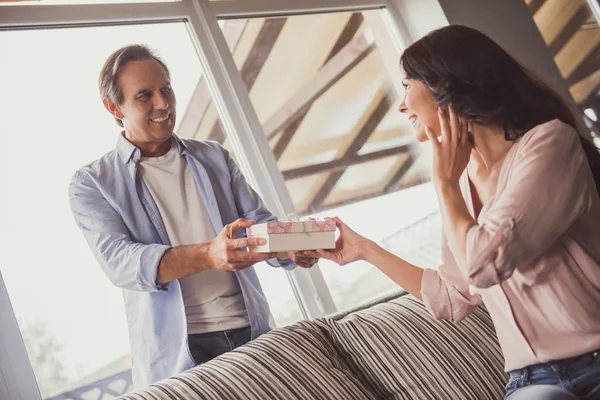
x,y
520,210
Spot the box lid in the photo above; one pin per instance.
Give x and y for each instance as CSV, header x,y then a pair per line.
x,y
290,227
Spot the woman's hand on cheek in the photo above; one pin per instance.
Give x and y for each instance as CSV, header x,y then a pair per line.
x,y
451,154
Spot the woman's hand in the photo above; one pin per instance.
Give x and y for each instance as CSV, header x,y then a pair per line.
x,y
451,155
349,247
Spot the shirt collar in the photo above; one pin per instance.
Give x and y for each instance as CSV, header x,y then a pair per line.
x,y
129,152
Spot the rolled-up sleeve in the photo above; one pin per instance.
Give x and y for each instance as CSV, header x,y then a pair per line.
x,y
127,264
445,291
549,187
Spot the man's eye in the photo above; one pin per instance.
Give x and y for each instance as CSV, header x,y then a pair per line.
x,y
144,97
167,89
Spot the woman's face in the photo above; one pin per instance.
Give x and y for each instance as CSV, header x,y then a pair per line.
x,y
420,107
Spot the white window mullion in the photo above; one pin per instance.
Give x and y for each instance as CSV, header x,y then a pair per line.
x,y
249,142
44,16
254,8
17,381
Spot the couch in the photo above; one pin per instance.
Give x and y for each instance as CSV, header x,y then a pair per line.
x,y
390,350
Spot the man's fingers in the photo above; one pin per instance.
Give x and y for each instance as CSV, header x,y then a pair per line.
x,y
237,225
249,256
237,266
234,244
309,254
307,260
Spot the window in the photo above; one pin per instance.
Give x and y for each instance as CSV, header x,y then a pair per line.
x,y
71,318
55,123
328,106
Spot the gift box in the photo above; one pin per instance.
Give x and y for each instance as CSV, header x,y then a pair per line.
x,y
293,236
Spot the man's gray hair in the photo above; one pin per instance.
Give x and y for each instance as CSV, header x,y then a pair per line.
x,y
108,82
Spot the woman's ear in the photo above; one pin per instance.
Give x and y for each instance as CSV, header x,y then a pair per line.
x,y
470,132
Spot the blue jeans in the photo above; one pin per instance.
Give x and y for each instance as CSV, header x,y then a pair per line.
x,y
571,378
206,346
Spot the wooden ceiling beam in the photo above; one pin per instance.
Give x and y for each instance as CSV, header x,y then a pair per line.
x,y
374,118
254,62
343,163
355,199
570,29
587,67
352,54
592,97
317,146
535,5
392,184
344,38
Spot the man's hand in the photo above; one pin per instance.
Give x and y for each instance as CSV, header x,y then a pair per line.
x,y
227,254
304,259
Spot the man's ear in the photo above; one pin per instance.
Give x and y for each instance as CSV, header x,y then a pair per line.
x,y
112,108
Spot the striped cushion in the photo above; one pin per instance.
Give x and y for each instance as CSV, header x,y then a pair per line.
x,y
295,362
398,351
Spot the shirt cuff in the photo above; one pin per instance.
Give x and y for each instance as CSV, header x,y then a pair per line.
x,y
148,267
432,290
486,258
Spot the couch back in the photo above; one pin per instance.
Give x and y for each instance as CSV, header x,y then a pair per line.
x,y
393,350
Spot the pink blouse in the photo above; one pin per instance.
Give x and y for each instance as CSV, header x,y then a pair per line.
x,y
534,257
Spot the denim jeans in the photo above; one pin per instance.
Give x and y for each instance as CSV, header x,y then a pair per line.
x,y
579,376
206,346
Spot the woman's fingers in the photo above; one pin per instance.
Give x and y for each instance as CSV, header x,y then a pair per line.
x,y
444,125
455,128
432,138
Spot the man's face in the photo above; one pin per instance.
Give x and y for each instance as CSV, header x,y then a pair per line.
x,y
148,108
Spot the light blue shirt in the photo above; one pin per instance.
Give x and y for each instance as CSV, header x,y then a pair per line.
x,y
122,224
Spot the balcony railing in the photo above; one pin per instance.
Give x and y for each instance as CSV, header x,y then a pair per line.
x,y
106,388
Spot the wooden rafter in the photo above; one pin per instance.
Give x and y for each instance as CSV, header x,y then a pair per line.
x,y
323,145
592,97
570,29
254,62
418,180
345,37
373,119
535,5
333,71
392,184
343,163
588,66
201,98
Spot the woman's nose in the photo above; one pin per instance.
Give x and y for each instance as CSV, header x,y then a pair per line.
x,y
402,108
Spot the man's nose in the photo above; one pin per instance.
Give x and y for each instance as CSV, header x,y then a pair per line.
x,y
161,101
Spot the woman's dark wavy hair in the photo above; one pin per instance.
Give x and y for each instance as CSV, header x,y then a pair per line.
x,y
485,85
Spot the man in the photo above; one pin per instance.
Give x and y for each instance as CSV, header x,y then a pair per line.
x,y
164,218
